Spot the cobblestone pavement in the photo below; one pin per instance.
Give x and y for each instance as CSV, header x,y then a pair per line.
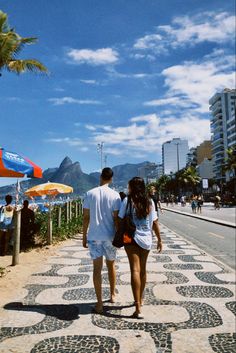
x,y
189,306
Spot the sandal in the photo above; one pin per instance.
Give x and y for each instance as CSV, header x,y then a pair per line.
x,y
136,315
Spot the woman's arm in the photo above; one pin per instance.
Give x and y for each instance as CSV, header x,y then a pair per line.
x,y
156,229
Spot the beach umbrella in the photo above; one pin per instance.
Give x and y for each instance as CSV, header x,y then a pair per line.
x,y
13,165
51,189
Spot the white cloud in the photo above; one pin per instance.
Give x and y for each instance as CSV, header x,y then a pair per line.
x,y
89,82
196,82
146,134
90,127
215,27
70,100
102,56
170,101
67,140
70,141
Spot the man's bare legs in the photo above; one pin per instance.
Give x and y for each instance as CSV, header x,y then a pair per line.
x,y
112,279
97,281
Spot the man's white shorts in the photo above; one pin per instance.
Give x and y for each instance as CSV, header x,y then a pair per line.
x,y
100,248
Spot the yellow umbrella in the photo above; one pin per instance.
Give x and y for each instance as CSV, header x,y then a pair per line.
x,y
49,189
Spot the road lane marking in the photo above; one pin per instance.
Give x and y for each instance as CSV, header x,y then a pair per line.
x,y
190,225
216,235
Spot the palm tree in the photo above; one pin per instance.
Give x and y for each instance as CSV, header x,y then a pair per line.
x,y
230,164
188,177
11,45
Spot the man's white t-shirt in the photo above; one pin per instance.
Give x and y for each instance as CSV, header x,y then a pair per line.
x,y
102,202
143,233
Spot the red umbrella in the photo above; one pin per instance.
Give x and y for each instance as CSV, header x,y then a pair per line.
x,y
15,166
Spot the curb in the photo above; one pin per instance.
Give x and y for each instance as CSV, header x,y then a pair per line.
x,y
212,220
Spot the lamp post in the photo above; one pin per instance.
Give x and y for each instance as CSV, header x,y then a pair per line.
x,y
177,145
100,150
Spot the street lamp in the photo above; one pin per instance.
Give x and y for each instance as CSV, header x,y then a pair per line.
x,y
177,145
100,150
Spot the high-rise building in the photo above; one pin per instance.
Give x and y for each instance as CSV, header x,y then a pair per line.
x,y
174,155
192,157
203,151
223,128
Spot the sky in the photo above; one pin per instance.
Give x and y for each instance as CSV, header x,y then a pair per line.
x,y
129,73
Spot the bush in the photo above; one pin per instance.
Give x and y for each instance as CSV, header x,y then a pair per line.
x,y
67,230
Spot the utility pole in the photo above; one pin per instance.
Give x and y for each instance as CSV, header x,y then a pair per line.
x,y
105,160
100,147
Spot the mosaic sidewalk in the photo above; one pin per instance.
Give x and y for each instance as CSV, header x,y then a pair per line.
x,y
189,306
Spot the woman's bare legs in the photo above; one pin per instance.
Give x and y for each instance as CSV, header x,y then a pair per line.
x,y
137,260
143,275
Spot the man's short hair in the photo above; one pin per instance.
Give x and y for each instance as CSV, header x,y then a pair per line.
x,y
8,199
107,173
26,203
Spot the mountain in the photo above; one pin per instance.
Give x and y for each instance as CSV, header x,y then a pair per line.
x,y
70,173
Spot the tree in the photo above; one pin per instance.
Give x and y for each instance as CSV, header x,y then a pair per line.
x,y
230,164
188,178
11,44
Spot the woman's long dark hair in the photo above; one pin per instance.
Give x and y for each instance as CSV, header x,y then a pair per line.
x,y
139,197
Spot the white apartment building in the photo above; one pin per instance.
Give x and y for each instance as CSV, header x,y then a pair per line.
x,y
174,155
223,128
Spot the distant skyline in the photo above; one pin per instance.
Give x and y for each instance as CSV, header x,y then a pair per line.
x,y
130,73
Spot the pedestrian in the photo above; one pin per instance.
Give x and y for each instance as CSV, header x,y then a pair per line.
x,y
27,226
137,248
6,225
194,204
100,216
199,204
155,197
217,202
183,201
122,195
167,201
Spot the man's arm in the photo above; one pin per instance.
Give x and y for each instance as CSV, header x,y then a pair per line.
x,y
86,220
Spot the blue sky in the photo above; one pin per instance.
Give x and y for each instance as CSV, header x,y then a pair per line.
x,y
130,73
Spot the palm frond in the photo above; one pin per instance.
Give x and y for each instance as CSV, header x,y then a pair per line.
x,y
20,66
3,22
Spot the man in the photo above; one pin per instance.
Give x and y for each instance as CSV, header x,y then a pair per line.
x,y
27,226
100,215
155,197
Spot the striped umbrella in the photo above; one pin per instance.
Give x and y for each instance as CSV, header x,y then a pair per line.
x,y
13,165
48,189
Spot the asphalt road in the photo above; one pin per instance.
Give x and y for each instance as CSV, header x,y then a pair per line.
x,y
217,240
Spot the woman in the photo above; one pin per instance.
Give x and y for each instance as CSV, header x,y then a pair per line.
x,y
145,219
6,225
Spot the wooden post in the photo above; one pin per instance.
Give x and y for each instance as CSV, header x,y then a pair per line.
x,y
76,209
16,246
80,208
70,210
67,212
49,240
59,217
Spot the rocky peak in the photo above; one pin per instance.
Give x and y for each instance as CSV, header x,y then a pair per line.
x,y
67,162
